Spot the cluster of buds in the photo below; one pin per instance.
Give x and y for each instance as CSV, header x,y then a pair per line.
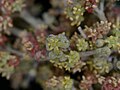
x,y
73,39
99,30
82,45
87,81
7,7
58,45
5,22
10,6
78,66
13,61
111,83
8,64
90,5
74,11
60,83
113,42
118,64
32,46
54,81
41,37
99,66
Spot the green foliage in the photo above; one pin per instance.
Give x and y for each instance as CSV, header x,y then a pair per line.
x,y
113,42
73,58
100,65
56,43
82,45
61,56
18,5
58,56
116,32
4,56
103,52
5,69
67,83
67,61
74,12
118,64
116,29
99,42
60,83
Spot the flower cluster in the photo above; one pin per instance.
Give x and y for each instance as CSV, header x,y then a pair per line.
x,y
12,5
100,65
56,43
87,81
32,46
99,30
56,46
74,12
5,22
7,8
113,42
8,63
111,83
82,45
90,5
118,64
61,83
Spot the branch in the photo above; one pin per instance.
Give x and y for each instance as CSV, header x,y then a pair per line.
x,y
87,53
17,32
99,12
82,33
15,52
21,54
30,19
102,5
